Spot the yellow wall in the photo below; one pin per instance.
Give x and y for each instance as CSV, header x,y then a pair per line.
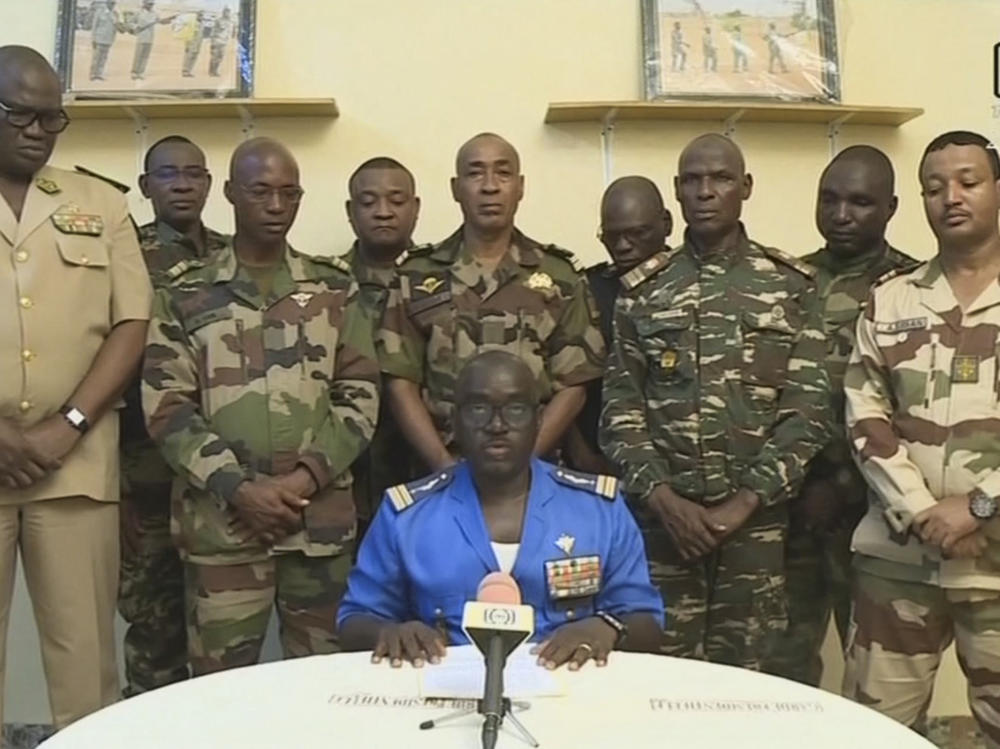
x,y
414,78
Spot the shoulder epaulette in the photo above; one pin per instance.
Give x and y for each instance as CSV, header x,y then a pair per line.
x,y
564,254
901,260
416,251
889,275
790,260
406,495
124,189
602,486
178,269
648,268
333,261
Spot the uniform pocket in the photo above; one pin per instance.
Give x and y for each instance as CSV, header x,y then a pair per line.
x,y
767,346
665,342
82,251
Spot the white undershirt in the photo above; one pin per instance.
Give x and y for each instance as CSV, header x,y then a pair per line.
x,y
506,554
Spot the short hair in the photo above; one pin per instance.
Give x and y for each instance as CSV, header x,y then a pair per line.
x,y
962,138
379,162
161,142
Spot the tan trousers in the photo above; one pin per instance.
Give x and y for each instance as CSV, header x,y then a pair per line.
x,y
69,548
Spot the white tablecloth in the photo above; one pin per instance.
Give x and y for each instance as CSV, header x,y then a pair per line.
x,y
341,701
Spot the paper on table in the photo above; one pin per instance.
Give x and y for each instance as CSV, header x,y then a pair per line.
x,y
462,672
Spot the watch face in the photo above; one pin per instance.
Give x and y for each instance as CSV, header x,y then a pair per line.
x,y
982,506
75,416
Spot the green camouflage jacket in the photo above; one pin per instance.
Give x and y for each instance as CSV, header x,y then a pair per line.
x,y
715,380
844,285
923,409
235,385
373,284
444,308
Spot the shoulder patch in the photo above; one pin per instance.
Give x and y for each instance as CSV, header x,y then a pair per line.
x,y
648,268
175,271
602,486
331,260
790,260
417,251
407,495
889,275
564,254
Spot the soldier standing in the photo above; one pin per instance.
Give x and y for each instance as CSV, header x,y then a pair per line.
x,y
714,401
151,592
921,390
740,59
144,28
678,49
76,300
709,51
260,386
222,33
194,38
854,206
774,54
634,226
486,286
382,210
105,26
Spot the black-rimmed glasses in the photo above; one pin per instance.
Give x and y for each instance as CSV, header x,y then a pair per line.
x,y
50,121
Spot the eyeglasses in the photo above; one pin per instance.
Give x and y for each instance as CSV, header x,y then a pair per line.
x,y
515,414
51,121
262,194
172,173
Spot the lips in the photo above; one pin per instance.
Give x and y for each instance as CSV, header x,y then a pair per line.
x,y
491,209
705,215
953,218
32,151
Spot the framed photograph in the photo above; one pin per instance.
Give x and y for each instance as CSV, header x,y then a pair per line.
x,y
746,49
156,48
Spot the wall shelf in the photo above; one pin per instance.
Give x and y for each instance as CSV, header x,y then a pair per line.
x,y
135,109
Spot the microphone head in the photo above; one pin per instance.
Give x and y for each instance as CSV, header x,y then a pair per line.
x,y
500,588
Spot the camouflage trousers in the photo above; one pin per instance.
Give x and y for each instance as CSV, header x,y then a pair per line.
x,y
729,606
898,631
817,582
151,591
229,607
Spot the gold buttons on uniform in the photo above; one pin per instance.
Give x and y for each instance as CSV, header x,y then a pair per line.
x,y
26,302
21,256
85,260
27,355
25,406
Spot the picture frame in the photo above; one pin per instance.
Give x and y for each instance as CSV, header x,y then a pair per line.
x,y
142,49
741,49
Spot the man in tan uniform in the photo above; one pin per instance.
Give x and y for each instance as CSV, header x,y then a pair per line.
x,y
75,299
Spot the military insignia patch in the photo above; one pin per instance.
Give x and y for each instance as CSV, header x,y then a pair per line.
x,y
965,369
575,577
901,326
78,223
566,543
778,312
668,360
540,281
429,285
302,298
47,186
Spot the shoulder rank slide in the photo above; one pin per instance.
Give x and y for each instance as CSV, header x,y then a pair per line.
x,y
647,269
602,486
790,260
416,251
48,186
891,274
565,254
406,495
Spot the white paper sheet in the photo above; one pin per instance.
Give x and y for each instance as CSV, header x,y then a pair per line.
x,y
462,673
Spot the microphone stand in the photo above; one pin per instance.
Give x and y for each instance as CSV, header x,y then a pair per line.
x,y
507,711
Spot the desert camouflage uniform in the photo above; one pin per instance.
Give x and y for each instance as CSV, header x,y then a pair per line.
x,y
444,308
236,385
818,562
715,383
922,408
151,586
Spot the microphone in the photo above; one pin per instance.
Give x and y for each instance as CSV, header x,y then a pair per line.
x,y
496,623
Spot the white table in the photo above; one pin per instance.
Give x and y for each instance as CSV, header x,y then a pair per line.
x,y
343,701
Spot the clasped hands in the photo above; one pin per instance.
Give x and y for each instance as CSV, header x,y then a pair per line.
x,y
29,455
697,530
268,508
952,528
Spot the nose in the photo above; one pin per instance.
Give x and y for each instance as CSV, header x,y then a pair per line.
x,y
622,244
490,183
275,203
951,193
496,424
705,188
383,209
34,130
840,214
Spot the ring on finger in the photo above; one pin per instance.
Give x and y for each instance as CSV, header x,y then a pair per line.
x,y
586,646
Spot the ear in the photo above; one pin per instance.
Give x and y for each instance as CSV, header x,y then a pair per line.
x,y
416,209
747,186
208,188
454,189
893,205
144,186
677,189
668,223
520,187
227,190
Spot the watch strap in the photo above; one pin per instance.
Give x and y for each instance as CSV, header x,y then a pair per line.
x,y
620,627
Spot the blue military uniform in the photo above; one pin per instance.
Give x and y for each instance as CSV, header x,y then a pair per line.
x,y
429,547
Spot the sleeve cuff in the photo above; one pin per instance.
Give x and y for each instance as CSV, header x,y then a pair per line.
x,y
318,469
224,482
769,488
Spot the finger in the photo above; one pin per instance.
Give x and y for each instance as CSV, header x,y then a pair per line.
x,y
291,499
412,650
380,651
561,653
601,653
47,463
430,642
580,656
21,479
35,471
395,650
539,648
8,481
546,649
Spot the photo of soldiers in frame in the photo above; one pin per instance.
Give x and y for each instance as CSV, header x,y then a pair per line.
x,y
156,48
746,49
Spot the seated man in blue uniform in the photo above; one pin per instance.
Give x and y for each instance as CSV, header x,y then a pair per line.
x,y
567,538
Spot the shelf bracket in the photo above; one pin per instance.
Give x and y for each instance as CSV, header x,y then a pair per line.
x,y
729,126
608,144
141,124
833,131
248,122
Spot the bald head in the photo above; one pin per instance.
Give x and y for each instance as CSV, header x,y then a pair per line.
x,y
481,370
634,222
473,145
855,201
711,185
714,145
488,185
29,86
250,155
264,190
16,59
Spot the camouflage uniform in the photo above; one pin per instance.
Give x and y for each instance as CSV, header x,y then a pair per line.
x,y
386,461
236,385
922,397
715,383
444,308
151,586
818,562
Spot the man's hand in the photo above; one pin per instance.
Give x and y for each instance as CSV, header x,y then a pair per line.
x,y
729,516
819,507
576,643
267,509
22,463
299,481
690,525
53,437
946,522
970,547
413,642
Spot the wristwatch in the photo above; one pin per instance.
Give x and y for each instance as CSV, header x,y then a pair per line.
x,y
981,505
620,627
75,418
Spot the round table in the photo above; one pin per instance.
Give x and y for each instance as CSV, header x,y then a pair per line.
x,y
637,701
